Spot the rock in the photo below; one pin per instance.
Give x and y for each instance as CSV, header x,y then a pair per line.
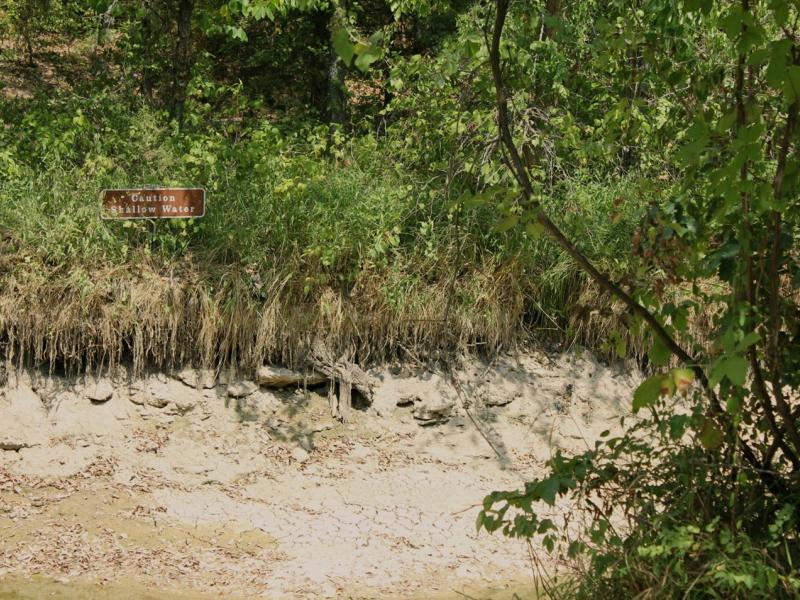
x,y
241,389
182,404
8,441
203,378
299,454
160,394
99,391
156,401
433,410
280,377
491,397
404,401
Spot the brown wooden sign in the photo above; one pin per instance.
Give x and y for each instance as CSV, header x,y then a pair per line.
x,y
154,203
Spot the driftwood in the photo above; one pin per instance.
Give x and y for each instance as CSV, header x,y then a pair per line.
x,y
344,373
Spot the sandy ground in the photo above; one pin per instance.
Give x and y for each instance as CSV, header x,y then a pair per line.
x,y
157,486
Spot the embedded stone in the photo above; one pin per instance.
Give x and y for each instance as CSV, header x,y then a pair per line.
x,y
279,377
99,391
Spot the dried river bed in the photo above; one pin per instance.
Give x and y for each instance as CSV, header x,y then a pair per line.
x,y
265,496
37,588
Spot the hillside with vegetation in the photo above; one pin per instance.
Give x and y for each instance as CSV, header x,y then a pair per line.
x,y
421,181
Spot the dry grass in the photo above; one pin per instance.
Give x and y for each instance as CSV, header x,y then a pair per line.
x,y
160,318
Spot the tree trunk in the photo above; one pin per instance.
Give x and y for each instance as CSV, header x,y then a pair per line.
x,y
29,46
146,85
182,70
553,9
336,73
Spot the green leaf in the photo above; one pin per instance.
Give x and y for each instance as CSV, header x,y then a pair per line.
x,y
659,353
776,71
733,404
682,378
704,6
479,521
548,489
534,229
726,122
648,392
731,23
342,46
791,87
677,426
733,367
747,341
759,56
621,346
710,435
506,224
780,12
366,56
236,33
697,137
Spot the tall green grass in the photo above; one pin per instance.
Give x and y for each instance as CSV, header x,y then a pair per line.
x,y
303,237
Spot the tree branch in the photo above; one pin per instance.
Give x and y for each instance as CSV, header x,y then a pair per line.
x,y
521,175
773,352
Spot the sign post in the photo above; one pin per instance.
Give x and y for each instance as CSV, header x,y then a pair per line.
x,y
154,203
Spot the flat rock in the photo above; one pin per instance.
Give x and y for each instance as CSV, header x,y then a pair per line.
x,y
194,378
182,404
433,410
281,377
241,389
493,397
156,401
408,400
160,394
100,390
13,441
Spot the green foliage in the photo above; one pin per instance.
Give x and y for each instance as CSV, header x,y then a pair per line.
x,y
697,498
663,517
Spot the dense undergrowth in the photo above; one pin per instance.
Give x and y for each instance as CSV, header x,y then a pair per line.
x,y
306,235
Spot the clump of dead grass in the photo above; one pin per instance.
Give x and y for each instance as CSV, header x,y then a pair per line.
x,y
188,316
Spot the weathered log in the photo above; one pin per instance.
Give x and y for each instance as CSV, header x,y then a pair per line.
x,y
346,375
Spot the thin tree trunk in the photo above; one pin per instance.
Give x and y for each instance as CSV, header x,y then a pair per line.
x,y
553,8
182,70
146,86
336,74
29,45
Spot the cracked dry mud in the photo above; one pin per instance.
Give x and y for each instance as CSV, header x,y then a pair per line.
x,y
267,496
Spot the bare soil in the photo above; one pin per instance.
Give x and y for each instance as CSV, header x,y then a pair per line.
x,y
184,492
